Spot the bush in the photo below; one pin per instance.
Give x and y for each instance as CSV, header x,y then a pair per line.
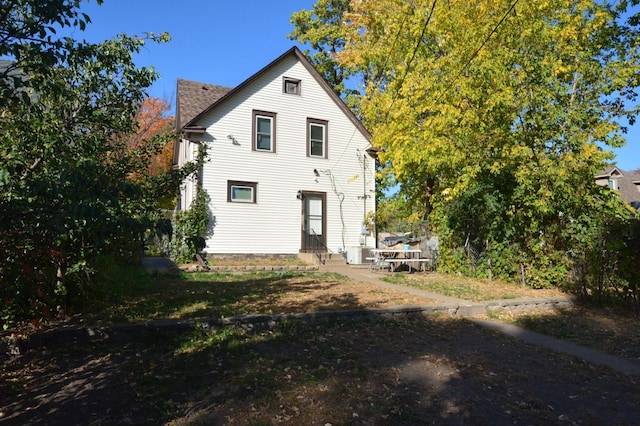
x,y
190,229
609,270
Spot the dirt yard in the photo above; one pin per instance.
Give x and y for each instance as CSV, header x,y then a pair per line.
x,y
437,370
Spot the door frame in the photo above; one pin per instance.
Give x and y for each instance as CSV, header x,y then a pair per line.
x,y
305,247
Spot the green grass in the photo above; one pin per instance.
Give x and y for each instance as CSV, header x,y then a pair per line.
x,y
210,294
468,288
140,297
191,296
137,296
203,338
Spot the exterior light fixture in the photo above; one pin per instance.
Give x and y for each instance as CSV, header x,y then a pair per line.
x,y
233,139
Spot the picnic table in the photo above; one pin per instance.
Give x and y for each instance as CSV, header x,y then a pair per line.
x,y
392,259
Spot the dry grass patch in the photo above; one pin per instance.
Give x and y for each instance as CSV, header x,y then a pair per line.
x,y
200,295
472,289
436,370
414,372
603,329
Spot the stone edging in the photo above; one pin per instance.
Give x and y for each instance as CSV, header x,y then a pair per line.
x,y
523,305
13,345
245,268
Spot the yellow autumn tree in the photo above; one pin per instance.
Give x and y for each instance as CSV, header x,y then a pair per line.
x,y
495,115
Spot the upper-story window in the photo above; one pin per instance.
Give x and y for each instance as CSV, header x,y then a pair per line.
x,y
317,144
264,131
291,86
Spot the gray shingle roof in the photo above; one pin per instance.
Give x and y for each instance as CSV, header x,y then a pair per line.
x,y
625,181
9,71
194,97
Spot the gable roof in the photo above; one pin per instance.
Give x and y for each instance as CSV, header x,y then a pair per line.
x,y
627,182
190,105
609,171
194,97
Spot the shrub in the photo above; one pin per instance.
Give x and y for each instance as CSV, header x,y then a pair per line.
x,y
190,229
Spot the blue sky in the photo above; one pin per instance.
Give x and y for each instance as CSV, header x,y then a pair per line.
x,y
214,41
223,42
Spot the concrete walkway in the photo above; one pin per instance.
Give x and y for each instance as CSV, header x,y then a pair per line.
x,y
373,277
462,308
158,265
470,308
591,355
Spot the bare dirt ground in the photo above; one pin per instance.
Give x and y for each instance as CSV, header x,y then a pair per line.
x,y
437,370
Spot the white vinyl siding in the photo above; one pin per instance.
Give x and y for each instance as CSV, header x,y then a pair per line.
x,y
273,224
187,153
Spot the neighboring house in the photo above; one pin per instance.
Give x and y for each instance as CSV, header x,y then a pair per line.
x,y
626,183
288,166
10,74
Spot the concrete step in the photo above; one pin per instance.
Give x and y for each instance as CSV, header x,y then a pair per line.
x,y
333,258
327,258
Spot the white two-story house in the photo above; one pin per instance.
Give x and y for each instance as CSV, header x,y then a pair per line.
x,y
288,168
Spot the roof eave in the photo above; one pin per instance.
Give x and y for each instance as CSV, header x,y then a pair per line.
x,y
240,86
329,90
311,69
196,130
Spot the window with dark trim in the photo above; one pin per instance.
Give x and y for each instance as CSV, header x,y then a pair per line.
x,y
264,131
241,192
317,140
291,86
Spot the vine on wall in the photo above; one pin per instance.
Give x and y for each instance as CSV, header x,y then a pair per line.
x,y
190,229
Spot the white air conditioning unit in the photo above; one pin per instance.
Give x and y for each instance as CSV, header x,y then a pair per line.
x,y
354,255
357,255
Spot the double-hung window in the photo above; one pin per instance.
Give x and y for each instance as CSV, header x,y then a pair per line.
x,y
264,131
241,192
317,131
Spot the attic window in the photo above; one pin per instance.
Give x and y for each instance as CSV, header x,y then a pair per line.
x,y
291,86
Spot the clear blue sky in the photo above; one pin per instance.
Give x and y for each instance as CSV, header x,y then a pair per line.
x,y
213,41
222,42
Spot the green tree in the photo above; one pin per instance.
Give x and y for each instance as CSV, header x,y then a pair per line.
x,y
67,196
494,113
324,29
